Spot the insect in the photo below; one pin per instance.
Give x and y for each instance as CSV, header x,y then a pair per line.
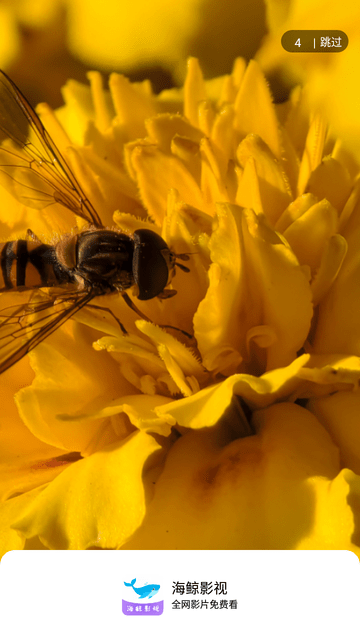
x,y
79,267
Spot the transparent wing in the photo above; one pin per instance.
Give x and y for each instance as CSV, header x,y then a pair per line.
x,y
23,326
32,167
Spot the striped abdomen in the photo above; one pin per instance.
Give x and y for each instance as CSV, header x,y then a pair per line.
x,y
29,264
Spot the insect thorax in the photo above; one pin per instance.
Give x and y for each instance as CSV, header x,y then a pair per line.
x,y
99,259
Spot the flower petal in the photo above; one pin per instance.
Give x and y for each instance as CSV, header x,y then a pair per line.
x,y
10,539
337,327
309,234
63,384
157,173
255,281
16,441
140,409
133,103
164,127
336,514
30,473
206,407
254,109
331,180
98,501
274,189
339,413
263,487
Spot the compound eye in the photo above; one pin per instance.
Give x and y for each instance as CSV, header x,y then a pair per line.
x,y
151,261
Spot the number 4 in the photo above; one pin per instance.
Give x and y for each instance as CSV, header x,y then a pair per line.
x,y
297,43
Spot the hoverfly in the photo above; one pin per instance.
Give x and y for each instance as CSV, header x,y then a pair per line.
x,y
80,267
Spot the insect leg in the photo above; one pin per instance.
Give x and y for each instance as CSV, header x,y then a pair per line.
x,y
169,326
32,235
133,306
95,306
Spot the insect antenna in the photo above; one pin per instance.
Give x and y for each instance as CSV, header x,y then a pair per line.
x,y
184,257
182,267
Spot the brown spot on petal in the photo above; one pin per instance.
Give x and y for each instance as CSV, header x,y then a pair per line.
x,y
67,458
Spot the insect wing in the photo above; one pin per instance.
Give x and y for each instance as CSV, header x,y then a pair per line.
x,y
24,326
32,168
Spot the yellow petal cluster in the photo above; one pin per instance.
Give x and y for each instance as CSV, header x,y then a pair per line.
x,y
155,440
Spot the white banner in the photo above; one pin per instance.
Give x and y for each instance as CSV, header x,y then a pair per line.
x,y
179,595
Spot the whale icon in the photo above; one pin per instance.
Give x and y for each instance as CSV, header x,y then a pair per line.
x,y
147,591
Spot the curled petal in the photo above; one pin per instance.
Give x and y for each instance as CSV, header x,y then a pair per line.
x,y
63,384
254,280
337,329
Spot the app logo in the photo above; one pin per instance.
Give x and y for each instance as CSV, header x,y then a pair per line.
x,y
144,593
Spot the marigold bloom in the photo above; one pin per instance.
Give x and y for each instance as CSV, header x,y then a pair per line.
x,y
144,440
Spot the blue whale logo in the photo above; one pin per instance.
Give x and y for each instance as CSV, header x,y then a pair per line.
x,y
147,591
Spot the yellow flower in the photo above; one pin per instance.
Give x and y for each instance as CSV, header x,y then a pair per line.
x,y
164,33
245,436
137,38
